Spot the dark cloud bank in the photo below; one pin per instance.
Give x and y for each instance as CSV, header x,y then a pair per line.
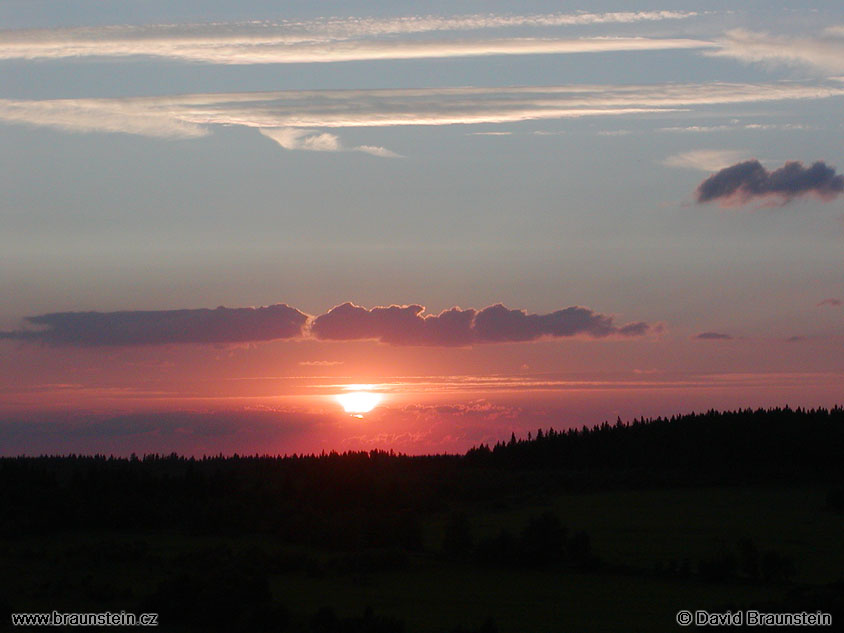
x,y
157,327
394,325
746,181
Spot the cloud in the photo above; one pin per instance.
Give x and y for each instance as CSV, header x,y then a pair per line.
x,y
481,408
696,128
742,182
298,138
735,126
704,159
713,336
142,116
395,325
824,52
407,325
157,327
250,52
313,140
329,39
829,302
376,150
321,363
189,116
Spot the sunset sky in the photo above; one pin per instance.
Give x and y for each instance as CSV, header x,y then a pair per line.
x,y
576,213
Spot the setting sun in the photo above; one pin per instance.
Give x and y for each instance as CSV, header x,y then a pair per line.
x,y
359,402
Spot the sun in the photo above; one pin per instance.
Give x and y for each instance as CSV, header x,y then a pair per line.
x,y
359,402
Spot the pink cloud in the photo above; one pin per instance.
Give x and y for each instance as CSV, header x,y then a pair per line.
x,y
407,325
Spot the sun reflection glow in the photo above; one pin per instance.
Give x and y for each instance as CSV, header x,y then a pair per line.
x,y
359,402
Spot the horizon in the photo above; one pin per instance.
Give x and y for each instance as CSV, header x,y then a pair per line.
x,y
481,448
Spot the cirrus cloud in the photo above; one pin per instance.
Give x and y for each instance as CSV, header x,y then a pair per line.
x,y
823,52
277,113
332,39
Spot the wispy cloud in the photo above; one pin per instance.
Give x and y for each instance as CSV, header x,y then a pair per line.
x,y
740,183
329,39
187,116
823,52
704,159
762,127
832,302
313,140
321,363
370,50
145,117
395,325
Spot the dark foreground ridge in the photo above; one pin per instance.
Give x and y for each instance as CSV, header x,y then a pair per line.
x,y
719,511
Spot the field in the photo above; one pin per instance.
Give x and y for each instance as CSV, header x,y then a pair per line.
x,y
641,537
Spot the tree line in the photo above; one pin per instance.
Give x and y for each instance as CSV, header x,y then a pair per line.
x,y
376,498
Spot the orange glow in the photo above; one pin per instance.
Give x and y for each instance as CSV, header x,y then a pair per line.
x,y
359,402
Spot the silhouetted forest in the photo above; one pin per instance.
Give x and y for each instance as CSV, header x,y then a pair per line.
x,y
361,514
374,497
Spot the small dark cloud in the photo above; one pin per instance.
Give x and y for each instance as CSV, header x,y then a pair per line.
x,y
713,336
640,328
743,182
161,327
406,325
834,303
796,339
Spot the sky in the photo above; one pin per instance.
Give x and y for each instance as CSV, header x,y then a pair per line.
x,y
217,217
